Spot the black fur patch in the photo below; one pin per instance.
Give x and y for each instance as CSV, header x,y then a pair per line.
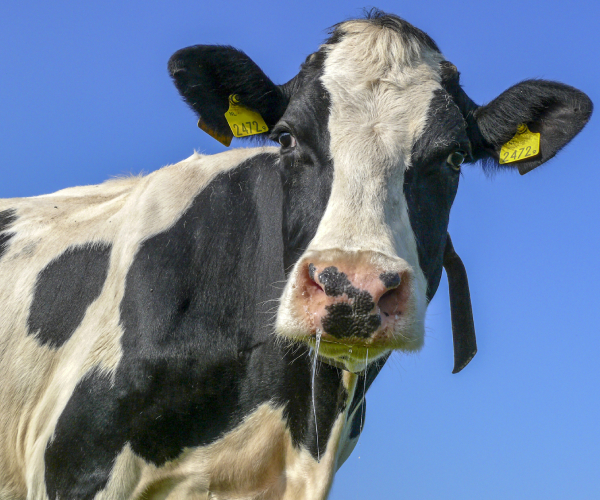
x,y
347,319
358,422
7,217
430,185
330,399
79,460
307,171
64,289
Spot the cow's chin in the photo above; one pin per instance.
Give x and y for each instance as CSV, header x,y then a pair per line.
x,y
352,357
355,354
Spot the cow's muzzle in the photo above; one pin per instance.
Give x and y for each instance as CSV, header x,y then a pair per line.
x,y
352,302
355,304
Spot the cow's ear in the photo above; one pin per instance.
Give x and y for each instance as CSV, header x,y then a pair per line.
x,y
208,75
555,111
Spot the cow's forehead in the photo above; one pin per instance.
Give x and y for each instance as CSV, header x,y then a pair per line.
x,y
383,49
380,82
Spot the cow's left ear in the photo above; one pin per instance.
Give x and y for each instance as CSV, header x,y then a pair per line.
x,y
207,76
555,111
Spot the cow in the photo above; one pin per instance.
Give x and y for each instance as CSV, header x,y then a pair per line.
x,y
210,330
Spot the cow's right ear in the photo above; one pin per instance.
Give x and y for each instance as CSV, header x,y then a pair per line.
x,y
207,75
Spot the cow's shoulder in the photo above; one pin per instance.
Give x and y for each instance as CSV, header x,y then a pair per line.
x,y
63,267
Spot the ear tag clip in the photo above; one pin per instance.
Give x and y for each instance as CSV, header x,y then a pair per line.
x,y
524,144
243,121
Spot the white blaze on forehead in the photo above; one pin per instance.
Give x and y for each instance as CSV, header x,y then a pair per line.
x,y
380,85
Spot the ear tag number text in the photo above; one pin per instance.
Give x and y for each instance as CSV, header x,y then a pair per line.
x,y
523,145
244,121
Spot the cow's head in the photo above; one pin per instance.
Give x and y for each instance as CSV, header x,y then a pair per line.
x,y
373,133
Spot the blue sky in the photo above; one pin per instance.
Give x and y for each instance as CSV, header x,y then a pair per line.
x,y
85,95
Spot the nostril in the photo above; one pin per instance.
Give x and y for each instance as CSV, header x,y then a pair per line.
x,y
390,303
390,280
311,282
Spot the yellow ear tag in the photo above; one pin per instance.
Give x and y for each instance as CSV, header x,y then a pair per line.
x,y
524,144
244,121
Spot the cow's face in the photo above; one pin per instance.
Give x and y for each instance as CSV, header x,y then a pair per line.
x,y
361,283
373,132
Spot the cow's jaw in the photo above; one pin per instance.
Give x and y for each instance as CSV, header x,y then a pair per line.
x,y
380,90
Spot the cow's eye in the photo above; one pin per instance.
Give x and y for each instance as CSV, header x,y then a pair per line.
x,y
456,159
287,140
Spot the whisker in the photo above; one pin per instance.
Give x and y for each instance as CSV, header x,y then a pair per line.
x,y
362,411
314,369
